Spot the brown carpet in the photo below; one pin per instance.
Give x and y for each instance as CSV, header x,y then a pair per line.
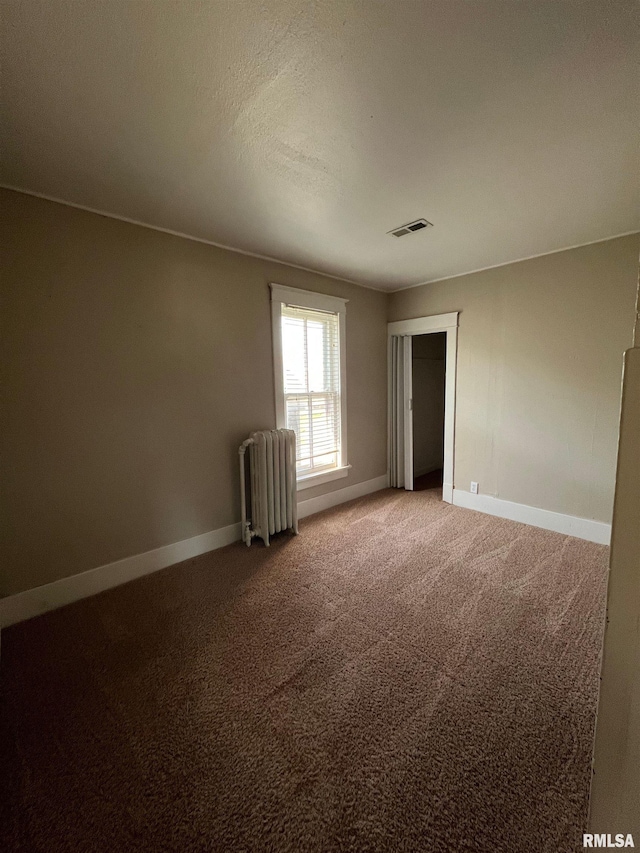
x,y
403,676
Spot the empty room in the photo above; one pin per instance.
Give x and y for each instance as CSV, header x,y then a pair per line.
x,y
320,416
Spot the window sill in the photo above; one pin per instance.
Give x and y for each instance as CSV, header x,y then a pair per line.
x,y
323,477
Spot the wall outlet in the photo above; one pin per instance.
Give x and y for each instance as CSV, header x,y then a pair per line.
x,y
474,488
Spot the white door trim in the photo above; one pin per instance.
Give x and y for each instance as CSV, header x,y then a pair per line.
x,y
425,326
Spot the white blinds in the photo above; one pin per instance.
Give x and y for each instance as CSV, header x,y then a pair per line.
x,y
311,368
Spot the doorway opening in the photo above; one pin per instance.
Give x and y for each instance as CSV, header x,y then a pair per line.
x,y
428,357
429,414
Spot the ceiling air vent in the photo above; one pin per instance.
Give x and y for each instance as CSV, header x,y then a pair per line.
x,y
417,225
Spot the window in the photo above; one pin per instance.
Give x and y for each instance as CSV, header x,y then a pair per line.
x,y
308,339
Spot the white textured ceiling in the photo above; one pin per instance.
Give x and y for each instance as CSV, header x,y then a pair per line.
x,y
305,131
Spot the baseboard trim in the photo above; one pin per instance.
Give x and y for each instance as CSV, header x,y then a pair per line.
x,y
33,602
340,496
570,525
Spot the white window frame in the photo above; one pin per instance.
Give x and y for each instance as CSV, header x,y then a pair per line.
x,y
281,295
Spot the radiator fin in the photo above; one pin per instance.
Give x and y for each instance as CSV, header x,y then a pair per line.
x,y
272,484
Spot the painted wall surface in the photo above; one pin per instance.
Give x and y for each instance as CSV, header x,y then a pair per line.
x,y
428,402
616,781
539,370
134,363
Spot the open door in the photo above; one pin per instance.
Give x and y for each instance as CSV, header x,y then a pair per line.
x,y
408,413
401,425
400,396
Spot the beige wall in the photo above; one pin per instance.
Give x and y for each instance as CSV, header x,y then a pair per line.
x,y
616,782
539,369
135,363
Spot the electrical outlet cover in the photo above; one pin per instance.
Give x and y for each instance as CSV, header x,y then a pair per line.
x,y
474,488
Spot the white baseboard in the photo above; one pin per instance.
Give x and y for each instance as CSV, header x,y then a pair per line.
x,y
340,496
32,602
570,525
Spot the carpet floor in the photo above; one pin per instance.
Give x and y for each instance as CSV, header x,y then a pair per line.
x,y
404,675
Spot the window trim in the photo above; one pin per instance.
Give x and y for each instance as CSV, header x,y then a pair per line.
x,y
281,295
